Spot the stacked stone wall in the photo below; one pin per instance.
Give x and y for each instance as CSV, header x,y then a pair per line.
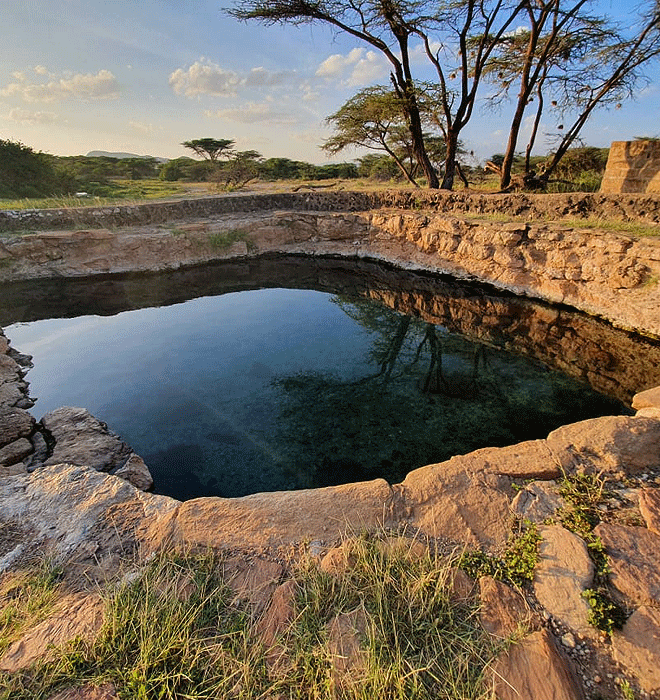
x,y
632,166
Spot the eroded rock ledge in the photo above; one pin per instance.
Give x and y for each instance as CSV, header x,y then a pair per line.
x,y
606,274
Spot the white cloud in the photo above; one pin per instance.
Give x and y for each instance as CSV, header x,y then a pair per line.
x,y
22,116
358,67
208,78
251,113
141,127
102,85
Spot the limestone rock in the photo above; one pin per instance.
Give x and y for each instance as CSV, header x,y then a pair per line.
x,y
274,622
14,452
457,501
265,520
531,459
77,615
608,444
637,647
136,472
535,669
537,502
252,581
504,612
647,399
348,658
15,423
634,557
649,507
105,508
83,440
338,560
562,574
87,692
461,587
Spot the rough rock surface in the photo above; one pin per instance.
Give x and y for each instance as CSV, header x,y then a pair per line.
x,y
564,571
602,273
637,646
634,557
504,612
82,439
136,472
537,502
76,616
536,669
649,507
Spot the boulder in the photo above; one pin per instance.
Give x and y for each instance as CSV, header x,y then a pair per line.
x,y
634,558
15,423
647,399
77,616
457,501
535,669
284,517
14,452
637,647
649,507
136,472
564,571
83,440
608,444
504,612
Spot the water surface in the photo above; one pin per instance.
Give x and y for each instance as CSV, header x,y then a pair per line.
x,y
283,388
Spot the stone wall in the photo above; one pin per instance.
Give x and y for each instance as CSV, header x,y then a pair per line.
x,y
632,166
531,206
610,275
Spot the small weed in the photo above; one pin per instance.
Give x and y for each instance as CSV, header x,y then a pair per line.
x,y
516,564
226,239
604,613
626,690
583,493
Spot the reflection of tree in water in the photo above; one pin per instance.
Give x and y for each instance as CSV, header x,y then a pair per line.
x,y
432,395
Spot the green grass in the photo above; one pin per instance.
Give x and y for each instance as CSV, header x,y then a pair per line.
x,y
225,239
117,192
26,598
174,632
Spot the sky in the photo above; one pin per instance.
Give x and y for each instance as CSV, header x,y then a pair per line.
x,y
141,76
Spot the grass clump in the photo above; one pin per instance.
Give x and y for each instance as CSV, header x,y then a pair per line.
x,y
418,642
175,632
225,239
171,633
26,598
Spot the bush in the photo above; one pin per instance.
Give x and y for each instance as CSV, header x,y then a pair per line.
x,y
27,173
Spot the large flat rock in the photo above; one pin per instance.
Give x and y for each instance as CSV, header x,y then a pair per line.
x,y
273,519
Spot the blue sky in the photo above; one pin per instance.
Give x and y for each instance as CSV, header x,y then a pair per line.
x,y
144,75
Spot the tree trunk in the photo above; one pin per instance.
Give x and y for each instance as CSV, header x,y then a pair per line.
x,y
450,162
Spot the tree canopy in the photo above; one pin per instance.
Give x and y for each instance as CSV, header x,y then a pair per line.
x,y
210,149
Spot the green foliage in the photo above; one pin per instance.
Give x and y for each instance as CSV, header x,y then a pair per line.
x,y
209,148
604,613
27,173
516,564
226,239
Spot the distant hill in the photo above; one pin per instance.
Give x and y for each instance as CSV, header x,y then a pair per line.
x,y
108,154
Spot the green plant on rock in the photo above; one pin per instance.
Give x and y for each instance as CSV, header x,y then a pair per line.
x,y
604,613
225,239
516,564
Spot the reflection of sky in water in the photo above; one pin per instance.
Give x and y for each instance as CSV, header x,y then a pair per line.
x,y
190,388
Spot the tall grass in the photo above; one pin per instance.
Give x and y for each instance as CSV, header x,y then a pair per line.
x,y
174,632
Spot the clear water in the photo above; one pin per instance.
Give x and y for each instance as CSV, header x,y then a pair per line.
x,y
276,389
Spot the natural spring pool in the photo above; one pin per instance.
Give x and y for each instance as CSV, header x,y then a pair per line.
x,y
293,373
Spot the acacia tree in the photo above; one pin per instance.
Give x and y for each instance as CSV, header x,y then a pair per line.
x,y
210,149
391,27
374,118
573,59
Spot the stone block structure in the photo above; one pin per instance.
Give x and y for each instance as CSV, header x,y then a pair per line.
x,y
632,166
